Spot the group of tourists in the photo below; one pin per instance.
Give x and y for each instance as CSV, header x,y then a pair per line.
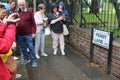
x,y
22,25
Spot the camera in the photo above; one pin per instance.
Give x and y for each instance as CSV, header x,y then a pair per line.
x,y
19,10
16,16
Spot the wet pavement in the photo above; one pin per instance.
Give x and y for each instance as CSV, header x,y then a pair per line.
x,y
57,67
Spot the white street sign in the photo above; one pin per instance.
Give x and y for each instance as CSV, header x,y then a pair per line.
x,y
101,38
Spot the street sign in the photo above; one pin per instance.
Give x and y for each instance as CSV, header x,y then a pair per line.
x,y
101,38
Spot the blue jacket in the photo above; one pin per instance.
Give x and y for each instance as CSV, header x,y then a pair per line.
x,y
64,11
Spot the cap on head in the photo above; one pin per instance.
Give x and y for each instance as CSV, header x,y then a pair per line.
x,y
54,5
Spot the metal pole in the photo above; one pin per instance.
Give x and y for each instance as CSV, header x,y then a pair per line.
x,y
80,13
34,5
91,48
110,54
71,12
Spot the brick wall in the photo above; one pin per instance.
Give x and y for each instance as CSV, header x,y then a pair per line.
x,y
80,39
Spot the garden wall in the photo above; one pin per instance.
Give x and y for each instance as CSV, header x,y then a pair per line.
x,y
80,40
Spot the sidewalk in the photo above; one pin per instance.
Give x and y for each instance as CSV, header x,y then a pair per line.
x,y
57,67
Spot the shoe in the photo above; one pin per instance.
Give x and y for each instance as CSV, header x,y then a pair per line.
x,y
63,52
37,56
25,62
55,51
18,76
44,54
15,57
34,64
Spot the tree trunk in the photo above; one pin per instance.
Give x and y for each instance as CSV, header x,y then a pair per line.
x,y
30,3
94,6
34,5
116,6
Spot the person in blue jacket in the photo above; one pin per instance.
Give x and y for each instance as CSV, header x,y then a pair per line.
x,y
7,6
63,10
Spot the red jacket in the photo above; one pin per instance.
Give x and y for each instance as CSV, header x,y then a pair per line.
x,y
7,35
26,25
4,73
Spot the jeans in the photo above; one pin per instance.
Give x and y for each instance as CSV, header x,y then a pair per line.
x,y
27,42
39,42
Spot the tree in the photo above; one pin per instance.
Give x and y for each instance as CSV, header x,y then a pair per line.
x,y
2,0
117,9
34,3
94,6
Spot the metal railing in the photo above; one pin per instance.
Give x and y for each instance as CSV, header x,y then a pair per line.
x,y
98,14
101,14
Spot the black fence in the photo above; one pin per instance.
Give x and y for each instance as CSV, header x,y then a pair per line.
x,y
96,13
101,14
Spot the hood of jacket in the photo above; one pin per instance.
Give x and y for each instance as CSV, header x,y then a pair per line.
x,y
62,3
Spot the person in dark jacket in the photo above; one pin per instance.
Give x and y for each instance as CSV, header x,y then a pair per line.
x,y
26,29
56,19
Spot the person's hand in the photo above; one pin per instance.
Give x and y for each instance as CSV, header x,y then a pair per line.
x,y
33,35
45,19
13,45
61,18
11,18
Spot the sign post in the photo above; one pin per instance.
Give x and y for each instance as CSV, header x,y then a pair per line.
x,y
103,39
110,54
91,48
